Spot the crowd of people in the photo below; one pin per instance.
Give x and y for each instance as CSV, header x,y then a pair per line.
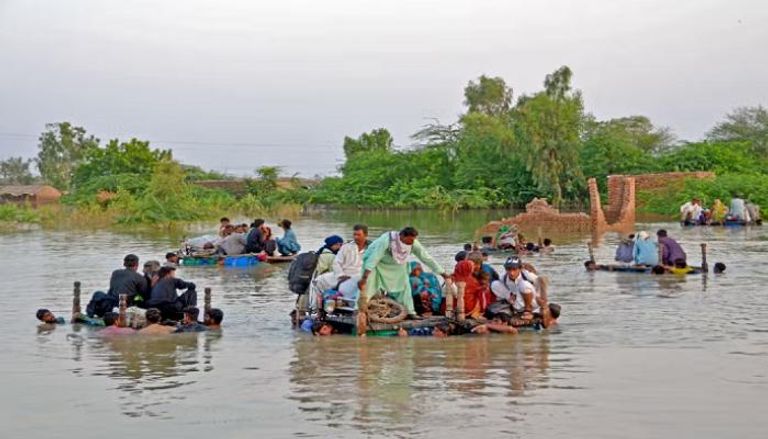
x,y
398,265
739,211
153,295
508,239
664,255
238,239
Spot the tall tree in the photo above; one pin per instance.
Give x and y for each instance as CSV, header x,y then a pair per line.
x,y
377,140
62,147
549,126
640,132
490,96
16,170
744,123
118,158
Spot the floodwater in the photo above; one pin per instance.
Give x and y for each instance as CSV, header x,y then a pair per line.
x,y
635,356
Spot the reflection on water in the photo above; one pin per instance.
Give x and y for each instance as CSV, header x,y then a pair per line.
x,y
413,386
149,371
635,355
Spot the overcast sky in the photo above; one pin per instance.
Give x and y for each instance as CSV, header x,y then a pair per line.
x,y
233,85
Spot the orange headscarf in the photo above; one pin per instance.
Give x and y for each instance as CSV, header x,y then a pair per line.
x,y
474,292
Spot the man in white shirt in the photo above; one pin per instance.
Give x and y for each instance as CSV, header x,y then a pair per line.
x,y
517,287
690,212
348,263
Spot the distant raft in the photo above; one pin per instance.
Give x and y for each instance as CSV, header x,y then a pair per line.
x,y
245,260
726,223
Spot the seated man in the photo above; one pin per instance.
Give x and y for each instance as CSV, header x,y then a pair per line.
x,y
190,323
690,212
625,250
128,281
670,249
346,263
507,239
112,321
223,223
233,243
164,295
213,319
517,287
487,244
154,327
738,210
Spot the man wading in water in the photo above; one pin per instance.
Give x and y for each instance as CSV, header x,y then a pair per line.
x,y
385,268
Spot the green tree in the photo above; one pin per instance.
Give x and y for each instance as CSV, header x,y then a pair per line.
x,y
62,148
490,96
134,157
16,170
744,123
548,126
616,147
377,140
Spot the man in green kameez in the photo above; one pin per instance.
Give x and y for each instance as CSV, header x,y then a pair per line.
x,y
385,266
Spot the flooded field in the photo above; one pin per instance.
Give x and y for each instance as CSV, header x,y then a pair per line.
x,y
635,356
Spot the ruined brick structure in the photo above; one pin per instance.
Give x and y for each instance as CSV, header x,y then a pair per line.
x,y
619,216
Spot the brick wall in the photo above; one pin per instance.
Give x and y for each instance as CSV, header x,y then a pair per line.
x,y
645,182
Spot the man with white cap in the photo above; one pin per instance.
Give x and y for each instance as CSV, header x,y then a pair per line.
x,y
517,287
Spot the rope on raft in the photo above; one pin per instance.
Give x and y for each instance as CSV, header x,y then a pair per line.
x,y
382,309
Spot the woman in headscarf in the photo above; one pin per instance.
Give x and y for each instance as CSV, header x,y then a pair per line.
x,y
327,253
425,288
476,293
645,251
718,211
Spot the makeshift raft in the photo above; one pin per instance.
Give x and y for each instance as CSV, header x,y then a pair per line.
x,y
386,317
245,260
726,223
625,268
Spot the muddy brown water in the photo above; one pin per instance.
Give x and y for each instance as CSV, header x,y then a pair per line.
x,y
634,356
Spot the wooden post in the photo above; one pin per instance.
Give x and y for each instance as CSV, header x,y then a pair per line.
x,y
207,299
460,315
123,305
541,240
591,252
704,266
660,249
76,310
362,313
450,289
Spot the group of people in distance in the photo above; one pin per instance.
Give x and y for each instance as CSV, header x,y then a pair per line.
x,y
153,293
509,239
642,251
396,263
238,239
740,211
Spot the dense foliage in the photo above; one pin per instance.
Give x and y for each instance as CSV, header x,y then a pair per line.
x,y
503,152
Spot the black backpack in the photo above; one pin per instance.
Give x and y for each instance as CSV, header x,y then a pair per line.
x,y
300,272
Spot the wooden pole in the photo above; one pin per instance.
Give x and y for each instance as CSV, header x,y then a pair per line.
x,y
362,313
591,252
704,266
207,299
76,310
541,239
660,249
450,293
460,286
123,305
